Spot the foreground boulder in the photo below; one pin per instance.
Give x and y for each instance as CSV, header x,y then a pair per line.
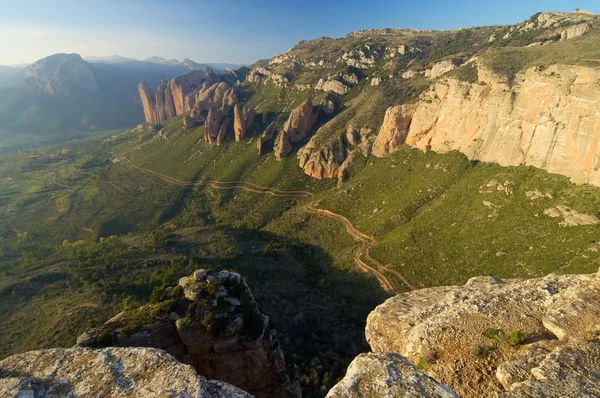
x,y
110,372
387,375
472,337
209,321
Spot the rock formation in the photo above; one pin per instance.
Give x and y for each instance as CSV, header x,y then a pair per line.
x,y
173,97
333,86
243,119
547,118
387,375
322,160
440,69
296,128
574,31
266,137
212,323
212,126
464,333
110,372
394,129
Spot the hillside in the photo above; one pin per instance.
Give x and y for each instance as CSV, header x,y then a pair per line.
x,y
339,179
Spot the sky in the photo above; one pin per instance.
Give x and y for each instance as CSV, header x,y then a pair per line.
x,y
234,31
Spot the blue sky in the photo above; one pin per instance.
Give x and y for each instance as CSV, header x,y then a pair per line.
x,y
236,31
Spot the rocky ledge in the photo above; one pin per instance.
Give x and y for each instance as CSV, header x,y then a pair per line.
x,y
209,321
110,372
490,337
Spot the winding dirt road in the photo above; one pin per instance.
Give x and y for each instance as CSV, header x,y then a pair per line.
x,y
366,240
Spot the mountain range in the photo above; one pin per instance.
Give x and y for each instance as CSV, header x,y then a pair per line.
x,y
63,94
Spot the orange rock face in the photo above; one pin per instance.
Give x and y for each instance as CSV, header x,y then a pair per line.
x,y
548,118
173,97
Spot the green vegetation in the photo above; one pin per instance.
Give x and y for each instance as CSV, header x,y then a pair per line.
x,y
516,337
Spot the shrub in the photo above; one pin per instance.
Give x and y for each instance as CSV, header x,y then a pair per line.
x,y
516,337
493,334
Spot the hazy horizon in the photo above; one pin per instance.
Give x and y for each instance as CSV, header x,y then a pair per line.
x,y
239,33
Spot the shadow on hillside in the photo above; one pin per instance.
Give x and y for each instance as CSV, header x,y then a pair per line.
x,y
318,309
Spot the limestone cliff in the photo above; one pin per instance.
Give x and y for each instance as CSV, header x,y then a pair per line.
x,y
212,323
394,129
548,118
296,128
173,97
110,372
516,338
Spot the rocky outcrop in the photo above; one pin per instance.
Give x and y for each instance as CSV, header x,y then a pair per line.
x,y
387,375
212,323
440,69
394,129
548,119
110,372
296,128
173,97
574,31
322,161
243,119
334,86
333,158
212,125
266,138
464,333
261,74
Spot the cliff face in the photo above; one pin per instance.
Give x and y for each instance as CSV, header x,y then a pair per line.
x,y
212,323
516,338
298,125
110,372
173,97
547,119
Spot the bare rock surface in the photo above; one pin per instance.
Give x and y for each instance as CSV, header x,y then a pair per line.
x,y
553,369
109,372
394,129
387,375
464,333
547,118
296,128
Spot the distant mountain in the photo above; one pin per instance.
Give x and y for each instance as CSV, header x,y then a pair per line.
x,y
110,59
192,65
63,94
163,61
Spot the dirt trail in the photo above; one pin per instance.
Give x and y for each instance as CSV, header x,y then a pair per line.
x,y
367,240
69,311
247,186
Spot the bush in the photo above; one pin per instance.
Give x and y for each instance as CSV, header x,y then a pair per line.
x,y
516,337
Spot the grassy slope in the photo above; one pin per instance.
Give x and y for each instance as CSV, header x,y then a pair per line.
x,y
428,214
